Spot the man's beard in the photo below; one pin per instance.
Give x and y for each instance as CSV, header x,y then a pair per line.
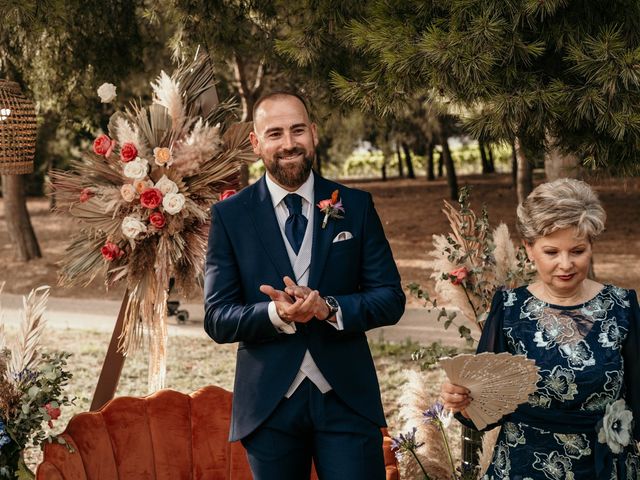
x,y
294,174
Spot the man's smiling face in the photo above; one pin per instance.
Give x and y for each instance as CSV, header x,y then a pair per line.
x,y
285,139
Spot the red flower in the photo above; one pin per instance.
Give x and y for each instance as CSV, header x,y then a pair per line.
x,y
157,220
128,152
53,412
86,194
227,194
150,198
458,275
103,145
110,251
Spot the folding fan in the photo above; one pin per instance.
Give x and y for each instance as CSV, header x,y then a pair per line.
x,y
498,383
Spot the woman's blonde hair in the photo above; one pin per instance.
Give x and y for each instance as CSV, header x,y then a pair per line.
x,y
560,204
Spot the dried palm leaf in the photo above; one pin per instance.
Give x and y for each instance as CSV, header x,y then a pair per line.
x,y
24,356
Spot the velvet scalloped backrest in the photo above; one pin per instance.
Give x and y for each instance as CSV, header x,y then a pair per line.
x,y
165,436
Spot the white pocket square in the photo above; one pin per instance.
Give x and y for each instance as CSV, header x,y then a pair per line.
x,y
342,236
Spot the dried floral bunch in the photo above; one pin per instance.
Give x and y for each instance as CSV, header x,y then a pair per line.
x,y
31,388
424,452
143,197
470,264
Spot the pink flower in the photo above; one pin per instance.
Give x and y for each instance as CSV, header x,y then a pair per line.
x,y
53,412
458,275
103,145
128,152
110,251
151,198
86,194
227,194
157,220
324,204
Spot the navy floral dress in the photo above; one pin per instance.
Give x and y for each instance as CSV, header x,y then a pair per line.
x,y
589,356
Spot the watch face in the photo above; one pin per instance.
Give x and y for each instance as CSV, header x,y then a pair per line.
x,y
333,303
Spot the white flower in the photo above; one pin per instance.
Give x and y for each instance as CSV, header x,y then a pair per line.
x,y
173,203
128,192
615,429
132,227
107,92
136,169
166,186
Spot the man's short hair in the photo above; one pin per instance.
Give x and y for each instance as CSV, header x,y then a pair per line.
x,y
280,94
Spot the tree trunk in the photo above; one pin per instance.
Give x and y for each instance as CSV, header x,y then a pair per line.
x,y
383,170
490,162
525,173
483,157
430,173
17,216
407,157
440,164
248,97
400,164
514,166
559,165
452,180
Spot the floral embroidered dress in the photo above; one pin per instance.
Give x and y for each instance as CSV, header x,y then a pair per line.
x,y
589,356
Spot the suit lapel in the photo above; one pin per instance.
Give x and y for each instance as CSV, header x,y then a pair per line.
x,y
264,219
322,237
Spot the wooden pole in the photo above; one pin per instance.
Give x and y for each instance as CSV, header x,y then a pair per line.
x,y
112,366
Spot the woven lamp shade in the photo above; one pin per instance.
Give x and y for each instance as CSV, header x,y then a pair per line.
x,y
17,130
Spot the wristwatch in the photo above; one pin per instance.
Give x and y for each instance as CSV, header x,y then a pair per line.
x,y
333,305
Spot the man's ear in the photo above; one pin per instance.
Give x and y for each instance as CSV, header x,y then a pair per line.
x,y
253,138
314,134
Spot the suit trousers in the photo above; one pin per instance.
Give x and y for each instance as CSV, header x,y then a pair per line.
x,y
343,444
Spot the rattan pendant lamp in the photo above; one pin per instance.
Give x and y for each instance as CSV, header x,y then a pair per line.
x,y
17,130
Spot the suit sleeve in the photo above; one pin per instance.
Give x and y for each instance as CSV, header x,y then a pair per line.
x,y
380,300
227,318
631,355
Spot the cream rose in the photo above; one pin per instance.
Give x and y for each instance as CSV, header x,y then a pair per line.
x,y
166,186
132,227
107,92
615,426
173,203
136,169
128,192
162,156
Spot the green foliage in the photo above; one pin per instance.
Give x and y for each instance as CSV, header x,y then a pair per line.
x,y
568,70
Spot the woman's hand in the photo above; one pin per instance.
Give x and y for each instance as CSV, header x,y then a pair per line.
x,y
455,397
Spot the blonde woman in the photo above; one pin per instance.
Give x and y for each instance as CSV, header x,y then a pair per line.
x,y
584,337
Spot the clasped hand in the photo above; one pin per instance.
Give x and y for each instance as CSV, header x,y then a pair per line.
x,y
296,303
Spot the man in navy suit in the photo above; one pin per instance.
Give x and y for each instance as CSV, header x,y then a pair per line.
x,y
298,295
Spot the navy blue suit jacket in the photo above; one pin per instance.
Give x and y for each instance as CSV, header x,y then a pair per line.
x,y
246,250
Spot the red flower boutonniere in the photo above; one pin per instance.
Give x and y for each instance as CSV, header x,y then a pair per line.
x,y
331,207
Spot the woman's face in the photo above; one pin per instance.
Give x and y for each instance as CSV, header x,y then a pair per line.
x,y
562,259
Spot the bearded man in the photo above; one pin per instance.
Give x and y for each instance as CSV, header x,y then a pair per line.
x,y
298,269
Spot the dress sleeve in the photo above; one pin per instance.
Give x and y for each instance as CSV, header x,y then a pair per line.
x,y
631,355
491,340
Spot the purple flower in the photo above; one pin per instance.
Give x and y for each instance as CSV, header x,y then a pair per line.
x,y
437,414
405,442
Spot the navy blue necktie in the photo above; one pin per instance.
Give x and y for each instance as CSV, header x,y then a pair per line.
x,y
296,223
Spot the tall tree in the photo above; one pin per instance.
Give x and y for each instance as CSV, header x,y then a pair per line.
x,y
561,75
57,52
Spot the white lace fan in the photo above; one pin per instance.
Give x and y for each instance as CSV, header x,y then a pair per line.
x,y
498,382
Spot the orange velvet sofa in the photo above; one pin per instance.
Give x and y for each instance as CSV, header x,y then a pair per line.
x,y
165,436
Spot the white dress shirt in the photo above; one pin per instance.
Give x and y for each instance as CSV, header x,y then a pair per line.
x,y
301,264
